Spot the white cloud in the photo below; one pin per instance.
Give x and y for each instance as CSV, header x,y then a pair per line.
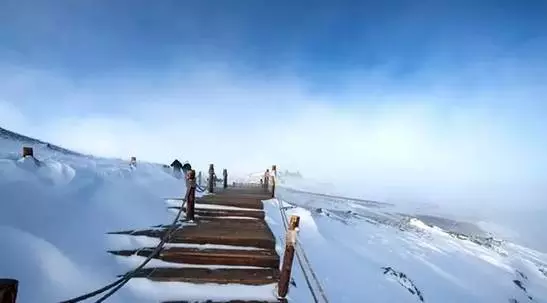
x,y
11,117
435,142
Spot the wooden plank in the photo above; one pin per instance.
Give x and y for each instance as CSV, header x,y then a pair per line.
x,y
235,202
241,220
245,196
200,275
207,212
231,301
253,233
185,255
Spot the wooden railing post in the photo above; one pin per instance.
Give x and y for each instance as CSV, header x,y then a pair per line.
x,y
190,195
266,180
225,175
211,178
27,151
8,290
274,177
288,256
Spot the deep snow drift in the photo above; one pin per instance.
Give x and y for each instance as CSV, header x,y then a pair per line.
x,y
368,251
54,217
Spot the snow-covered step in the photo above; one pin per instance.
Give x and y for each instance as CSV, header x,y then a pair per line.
x,y
234,200
187,255
208,212
254,233
199,275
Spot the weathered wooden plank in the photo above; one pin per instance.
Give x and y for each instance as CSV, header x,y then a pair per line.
x,y
185,255
200,275
232,201
254,233
231,301
207,212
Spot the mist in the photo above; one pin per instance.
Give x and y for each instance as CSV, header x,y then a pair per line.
x,y
422,138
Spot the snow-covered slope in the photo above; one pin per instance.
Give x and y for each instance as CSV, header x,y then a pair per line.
x,y
367,251
54,216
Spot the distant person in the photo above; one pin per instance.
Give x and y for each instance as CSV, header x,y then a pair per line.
x,y
133,162
176,165
186,168
266,178
177,169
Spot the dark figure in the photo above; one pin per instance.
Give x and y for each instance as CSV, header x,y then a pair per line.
x,y
179,169
266,179
176,165
186,168
190,175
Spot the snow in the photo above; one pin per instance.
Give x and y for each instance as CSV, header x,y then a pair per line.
x,y
133,261
119,242
403,258
172,202
149,291
55,215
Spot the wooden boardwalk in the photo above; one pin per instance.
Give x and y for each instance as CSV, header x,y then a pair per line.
x,y
231,223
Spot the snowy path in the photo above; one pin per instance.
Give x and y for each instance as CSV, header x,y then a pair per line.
x,y
217,258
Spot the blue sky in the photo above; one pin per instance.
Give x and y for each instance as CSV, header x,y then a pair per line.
x,y
404,93
315,39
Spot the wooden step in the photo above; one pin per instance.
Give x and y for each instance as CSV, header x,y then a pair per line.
x,y
240,220
252,233
239,195
232,201
200,275
207,212
231,301
243,190
235,257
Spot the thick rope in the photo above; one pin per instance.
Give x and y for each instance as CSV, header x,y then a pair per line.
x,y
301,248
304,255
116,285
284,219
200,189
321,291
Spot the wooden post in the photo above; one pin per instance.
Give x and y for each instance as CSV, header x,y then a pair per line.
x,y
211,178
288,256
294,222
8,290
266,180
225,175
274,177
27,151
190,194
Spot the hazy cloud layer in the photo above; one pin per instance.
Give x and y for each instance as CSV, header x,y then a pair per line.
x,y
436,141
440,102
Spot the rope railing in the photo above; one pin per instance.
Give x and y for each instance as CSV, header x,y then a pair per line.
x,y
116,285
188,202
301,254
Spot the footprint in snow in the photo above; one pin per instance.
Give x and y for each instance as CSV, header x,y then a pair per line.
x,y
520,283
404,281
